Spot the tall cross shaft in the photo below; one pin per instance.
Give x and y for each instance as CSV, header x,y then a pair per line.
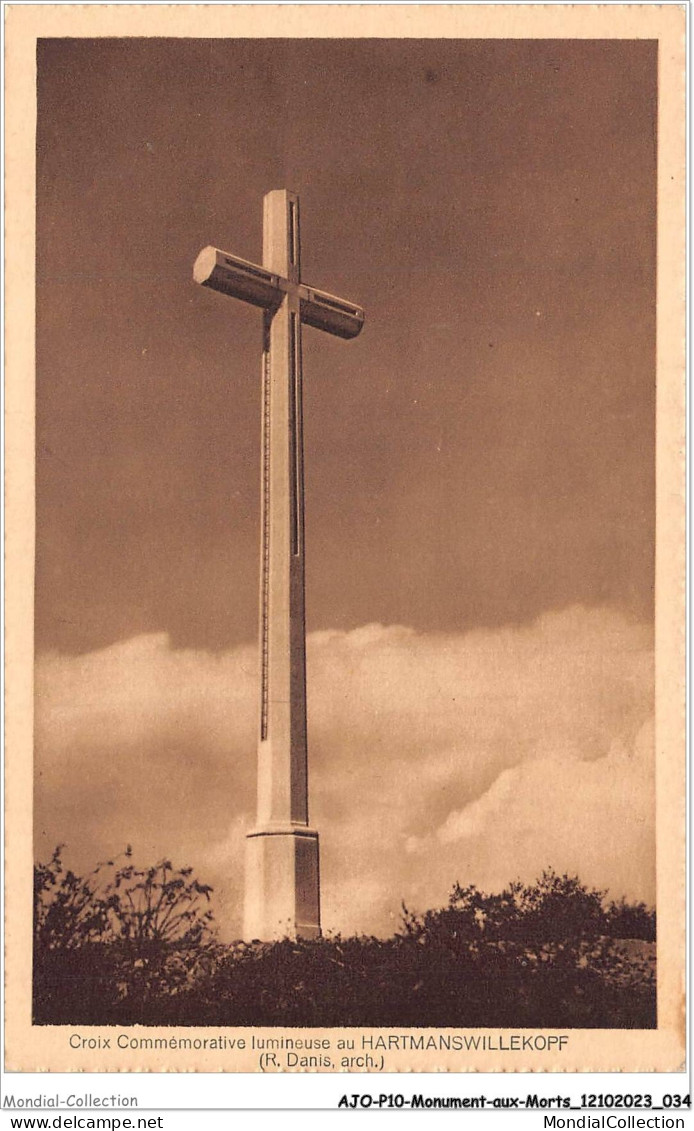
x,y
282,863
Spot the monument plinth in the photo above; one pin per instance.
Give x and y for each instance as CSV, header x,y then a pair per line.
x,y
282,863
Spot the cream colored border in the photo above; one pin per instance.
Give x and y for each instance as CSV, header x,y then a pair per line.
x,y
32,1048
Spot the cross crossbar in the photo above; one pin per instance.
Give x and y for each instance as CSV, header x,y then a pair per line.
x,y
251,283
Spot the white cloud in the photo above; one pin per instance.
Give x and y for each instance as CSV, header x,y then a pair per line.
x,y
473,757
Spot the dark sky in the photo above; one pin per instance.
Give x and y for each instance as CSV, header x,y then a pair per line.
x,y
481,454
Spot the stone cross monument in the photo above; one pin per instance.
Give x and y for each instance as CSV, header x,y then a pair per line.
x,y
282,878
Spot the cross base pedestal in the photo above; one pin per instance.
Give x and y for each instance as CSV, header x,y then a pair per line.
x,y
282,884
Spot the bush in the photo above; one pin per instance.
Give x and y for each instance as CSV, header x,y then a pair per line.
x,y
118,939
553,908
630,921
128,945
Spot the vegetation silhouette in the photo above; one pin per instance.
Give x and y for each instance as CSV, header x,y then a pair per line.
x,y
122,934
128,945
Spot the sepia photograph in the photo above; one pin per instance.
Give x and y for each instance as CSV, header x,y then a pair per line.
x,y
345,616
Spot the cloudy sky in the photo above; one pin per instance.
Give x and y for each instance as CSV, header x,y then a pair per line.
x,y
479,462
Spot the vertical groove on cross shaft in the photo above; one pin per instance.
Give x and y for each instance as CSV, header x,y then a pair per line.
x,y
293,240
299,755
265,533
296,436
